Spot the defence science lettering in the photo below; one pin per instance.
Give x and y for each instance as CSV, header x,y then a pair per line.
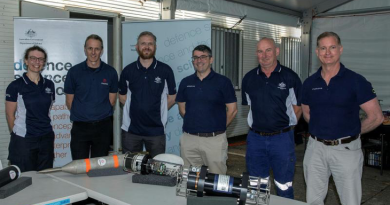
x,y
50,66
182,36
185,66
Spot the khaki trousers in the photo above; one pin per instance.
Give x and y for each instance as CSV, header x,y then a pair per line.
x,y
209,151
344,162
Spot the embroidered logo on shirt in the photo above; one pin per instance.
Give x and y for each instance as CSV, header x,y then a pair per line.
x,y
157,80
7,95
282,86
48,90
104,82
190,86
316,89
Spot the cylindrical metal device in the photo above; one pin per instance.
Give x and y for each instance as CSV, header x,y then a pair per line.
x,y
163,164
85,165
247,189
9,174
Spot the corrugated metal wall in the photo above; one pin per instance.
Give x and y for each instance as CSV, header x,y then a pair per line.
x,y
290,51
252,31
9,9
131,9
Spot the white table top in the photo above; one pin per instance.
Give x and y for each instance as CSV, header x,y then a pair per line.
x,y
45,190
119,190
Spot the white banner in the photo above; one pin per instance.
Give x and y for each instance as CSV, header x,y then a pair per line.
x,y
175,41
63,40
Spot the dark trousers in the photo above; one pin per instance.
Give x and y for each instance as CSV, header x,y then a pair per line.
x,y
276,152
134,143
91,139
32,153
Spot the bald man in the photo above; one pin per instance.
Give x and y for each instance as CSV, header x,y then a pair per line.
x,y
273,93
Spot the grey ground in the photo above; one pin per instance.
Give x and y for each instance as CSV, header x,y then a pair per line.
x,y
376,188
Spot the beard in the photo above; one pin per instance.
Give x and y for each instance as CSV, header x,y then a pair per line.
x,y
146,56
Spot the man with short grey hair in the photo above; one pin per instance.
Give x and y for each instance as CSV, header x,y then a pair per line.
x,y
332,99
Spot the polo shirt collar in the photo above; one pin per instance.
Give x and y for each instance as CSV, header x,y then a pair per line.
x,y
340,73
153,65
95,70
278,69
28,81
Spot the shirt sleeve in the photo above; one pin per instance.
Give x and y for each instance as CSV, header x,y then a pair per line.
x,y
69,87
114,82
11,94
244,100
228,92
122,85
171,82
364,90
180,97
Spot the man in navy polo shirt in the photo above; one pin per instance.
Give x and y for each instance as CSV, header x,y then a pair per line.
x,y
91,88
273,93
332,99
208,104
147,89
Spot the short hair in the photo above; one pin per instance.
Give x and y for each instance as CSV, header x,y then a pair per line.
x,y
34,48
147,33
95,37
202,48
328,34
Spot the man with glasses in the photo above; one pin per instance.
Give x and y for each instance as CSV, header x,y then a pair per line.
x,y
208,104
331,102
273,93
91,88
147,89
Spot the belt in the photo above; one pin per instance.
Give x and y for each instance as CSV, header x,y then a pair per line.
x,y
207,134
336,141
273,133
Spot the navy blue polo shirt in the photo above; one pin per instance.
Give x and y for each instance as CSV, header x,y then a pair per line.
x,y
271,99
205,102
91,88
334,108
145,112
33,105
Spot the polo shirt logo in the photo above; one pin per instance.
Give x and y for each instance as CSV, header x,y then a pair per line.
x,y
48,90
7,95
316,89
157,80
104,82
282,86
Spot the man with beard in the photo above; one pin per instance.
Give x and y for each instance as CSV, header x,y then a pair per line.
x,y
147,89
208,104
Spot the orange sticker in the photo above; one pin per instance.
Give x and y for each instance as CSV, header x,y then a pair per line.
x,y
116,162
87,165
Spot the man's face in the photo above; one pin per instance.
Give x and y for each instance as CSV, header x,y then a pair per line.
x,y
202,61
267,54
329,51
146,47
93,50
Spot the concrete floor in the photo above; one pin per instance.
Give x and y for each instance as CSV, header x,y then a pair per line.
x,y
376,188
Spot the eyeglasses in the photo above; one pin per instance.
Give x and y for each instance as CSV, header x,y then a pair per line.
x,y
195,58
34,59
